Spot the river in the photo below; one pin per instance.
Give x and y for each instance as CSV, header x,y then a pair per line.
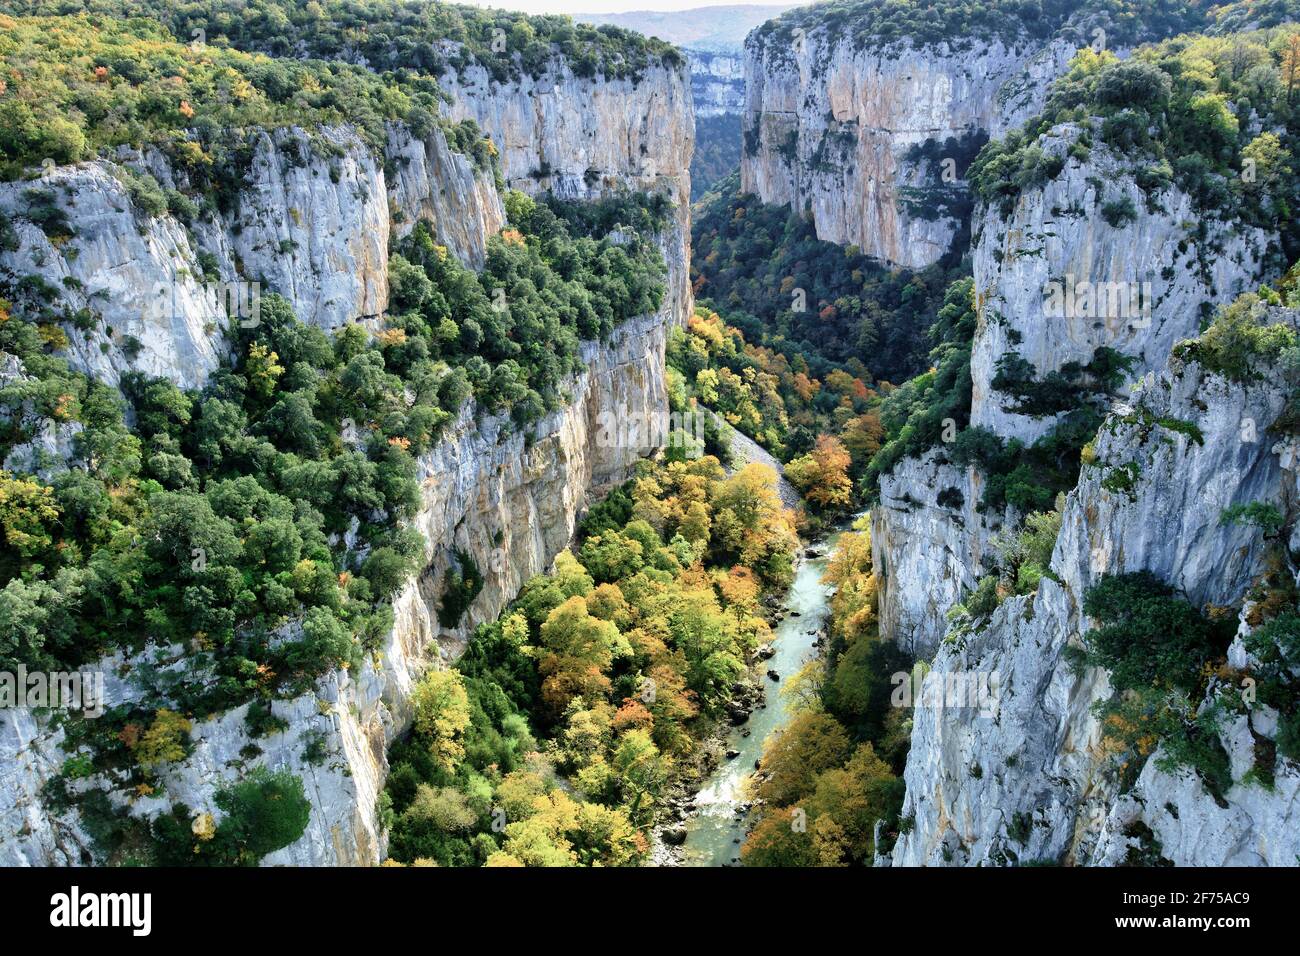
x,y
716,828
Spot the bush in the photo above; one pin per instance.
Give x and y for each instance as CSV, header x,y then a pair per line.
x,y
1147,636
265,812
1119,212
461,586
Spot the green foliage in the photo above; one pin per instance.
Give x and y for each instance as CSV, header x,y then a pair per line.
x,y
403,36
461,586
917,415
515,327
874,24
1119,212
1028,477
1173,112
1263,514
717,152
264,812
1240,346
1148,636
1062,389
78,85
749,258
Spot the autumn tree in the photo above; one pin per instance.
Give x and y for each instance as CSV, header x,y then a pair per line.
x,y
822,476
441,715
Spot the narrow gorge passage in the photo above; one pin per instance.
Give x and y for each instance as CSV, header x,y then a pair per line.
x,y
716,829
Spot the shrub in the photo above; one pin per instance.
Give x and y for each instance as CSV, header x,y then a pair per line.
x,y
265,812
1147,636
461,586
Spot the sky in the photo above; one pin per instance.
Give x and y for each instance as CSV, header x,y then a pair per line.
x,y
601,6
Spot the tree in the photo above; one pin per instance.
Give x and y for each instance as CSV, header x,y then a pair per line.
x,y
810,743
26,507
575,655
442,714
265,812
822,475
164,741
1147,635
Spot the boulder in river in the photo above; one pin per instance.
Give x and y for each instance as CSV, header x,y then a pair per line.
x,y
675,836
773,675
765,651
733,754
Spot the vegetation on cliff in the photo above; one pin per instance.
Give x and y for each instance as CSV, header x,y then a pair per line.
x,y
398,35
77,86
1214,115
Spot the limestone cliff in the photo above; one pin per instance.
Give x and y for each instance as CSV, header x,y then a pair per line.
x,y
840,129
310,220
717,82
1153,279
512,504
1027,777
314,219
583,138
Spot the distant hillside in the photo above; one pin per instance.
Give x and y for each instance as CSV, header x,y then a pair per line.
x,y
717,29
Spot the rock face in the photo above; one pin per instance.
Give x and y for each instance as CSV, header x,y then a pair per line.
x,y
587,138
1151,283
717,82
829,126
311,222
1150,279
431,183
927,543
1027,778
126,270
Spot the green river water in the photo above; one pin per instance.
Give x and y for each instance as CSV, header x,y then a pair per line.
x,y
715,829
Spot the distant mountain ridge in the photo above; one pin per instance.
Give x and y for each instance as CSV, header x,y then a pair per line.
x,y
713,29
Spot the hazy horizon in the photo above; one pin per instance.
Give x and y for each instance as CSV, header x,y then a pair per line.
x,y
611,6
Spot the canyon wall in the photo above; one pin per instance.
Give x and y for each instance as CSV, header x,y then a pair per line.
x,y
312,223
1053,234
584,138
315,227
1030,778
717,82
830,126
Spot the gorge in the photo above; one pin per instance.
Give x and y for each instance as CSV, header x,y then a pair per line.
x,y
464,438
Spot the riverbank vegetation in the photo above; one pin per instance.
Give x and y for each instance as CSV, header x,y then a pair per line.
x,y
835,771
551,741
